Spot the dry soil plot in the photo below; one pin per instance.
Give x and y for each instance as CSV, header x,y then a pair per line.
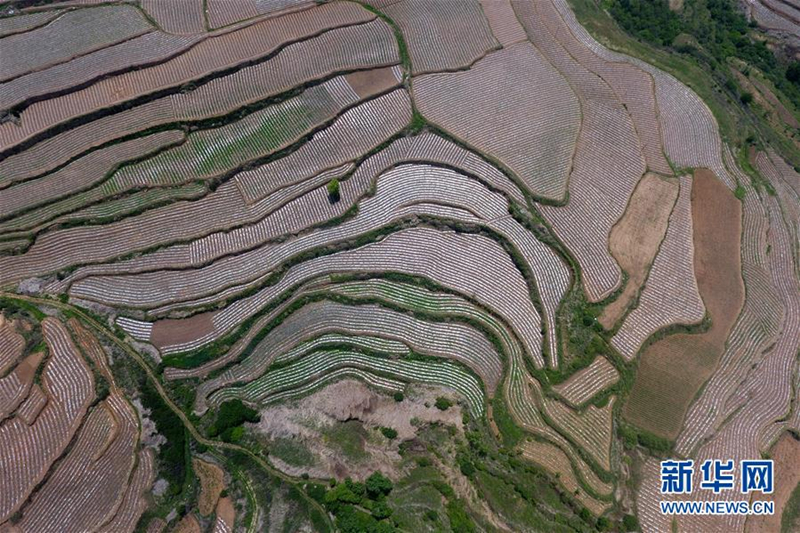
x,y
212,481
178,331
369,82
786,454
635,239
226,515
672,370
307,434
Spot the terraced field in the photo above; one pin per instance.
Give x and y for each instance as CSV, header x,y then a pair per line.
x,y
537,255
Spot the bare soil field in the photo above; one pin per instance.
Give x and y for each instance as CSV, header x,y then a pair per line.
x,y
672,370
368,82
226,514
635,239
212,481
307,425
786,454
177,331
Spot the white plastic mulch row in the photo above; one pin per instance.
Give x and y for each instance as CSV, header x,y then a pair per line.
x,y
182,17
367,342
523,405
354,133
150,47
586,383
211,152
737,409
11,344
374,380
454,341
14,388
370,216
591,429
67,182
225,206
26,452
26,22
225,12
72,34
133,502
503,22
337,50
32,406
514,106
453,260
554,460
311,367
634,87
689,130
429,27
180,221
83,489
423,148
396,189
245,339
607,164
213,54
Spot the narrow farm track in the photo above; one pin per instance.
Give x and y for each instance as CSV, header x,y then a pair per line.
x,y
109,336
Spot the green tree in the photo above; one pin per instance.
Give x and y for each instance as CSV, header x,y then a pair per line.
x,y
630,523
793,72
389,433
381,510
378,485
333,190
442,403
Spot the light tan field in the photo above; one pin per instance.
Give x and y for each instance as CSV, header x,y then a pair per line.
x,y
635,239
212,481
786,454
368,82
672,370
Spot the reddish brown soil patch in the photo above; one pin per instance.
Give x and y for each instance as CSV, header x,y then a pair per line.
x,y
635,239
178,331
672,370
368,82
27,368
786,454
226,512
